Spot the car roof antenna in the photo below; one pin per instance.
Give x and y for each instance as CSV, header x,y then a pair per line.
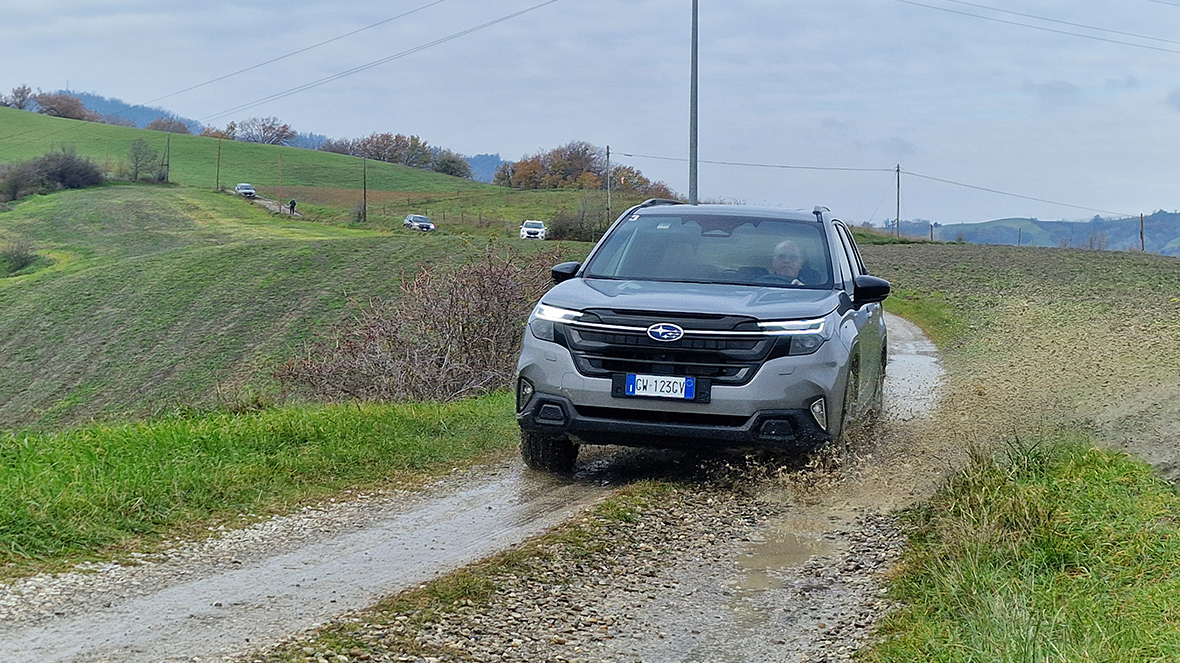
x,y
819,212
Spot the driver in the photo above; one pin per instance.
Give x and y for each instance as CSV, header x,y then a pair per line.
x,y
788,263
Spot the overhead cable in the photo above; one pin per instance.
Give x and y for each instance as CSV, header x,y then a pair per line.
x,y
370,65
292,53
885,170
1040,27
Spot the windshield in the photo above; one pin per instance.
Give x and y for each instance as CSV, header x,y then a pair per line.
x,y
715,249
533,224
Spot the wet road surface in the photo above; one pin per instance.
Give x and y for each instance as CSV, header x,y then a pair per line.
x,y
264,599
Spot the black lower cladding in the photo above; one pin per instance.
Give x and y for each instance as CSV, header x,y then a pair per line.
x,y
768,429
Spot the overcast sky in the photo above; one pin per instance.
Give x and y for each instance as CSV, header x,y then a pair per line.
x,y
864,84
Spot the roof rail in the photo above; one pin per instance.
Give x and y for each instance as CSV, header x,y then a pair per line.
x,y
652,202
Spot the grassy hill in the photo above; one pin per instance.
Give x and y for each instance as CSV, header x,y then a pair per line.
x,y
161,295
328,187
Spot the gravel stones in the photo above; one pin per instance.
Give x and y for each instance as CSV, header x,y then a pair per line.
x,y
663,583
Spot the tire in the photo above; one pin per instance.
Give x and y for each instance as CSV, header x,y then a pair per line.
x,y
877,403
548,453
848,407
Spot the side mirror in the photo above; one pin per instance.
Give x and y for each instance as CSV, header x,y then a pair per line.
x,y
869,289
566,270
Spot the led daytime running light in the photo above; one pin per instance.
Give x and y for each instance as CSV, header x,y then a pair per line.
x,y
554,314
793,327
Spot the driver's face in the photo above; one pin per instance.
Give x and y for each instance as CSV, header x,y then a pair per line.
x,y
787,262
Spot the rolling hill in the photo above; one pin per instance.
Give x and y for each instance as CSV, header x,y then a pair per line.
x,y
163,296
1161,233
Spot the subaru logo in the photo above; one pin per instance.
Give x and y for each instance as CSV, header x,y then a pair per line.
x,y
665,331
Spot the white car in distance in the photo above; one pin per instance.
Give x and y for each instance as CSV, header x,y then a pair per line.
x,y
533,230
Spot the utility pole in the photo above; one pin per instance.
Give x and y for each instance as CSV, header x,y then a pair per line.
x,y
280,184
364,189
166,162
217,185
1142,237
692,115
1019,232
897,219
608,219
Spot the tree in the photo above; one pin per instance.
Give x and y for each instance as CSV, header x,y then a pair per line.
x,y
339,146
63,105
449,163
229,133
141,158
382,147
21,97
265,130
504,173
171,125
528,174
417,153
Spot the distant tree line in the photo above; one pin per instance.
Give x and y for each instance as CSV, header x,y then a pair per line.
x,y
576,165
405,150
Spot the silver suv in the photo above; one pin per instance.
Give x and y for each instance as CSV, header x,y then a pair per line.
x,y
717,326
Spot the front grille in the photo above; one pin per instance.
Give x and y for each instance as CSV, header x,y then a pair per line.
x,y
706,351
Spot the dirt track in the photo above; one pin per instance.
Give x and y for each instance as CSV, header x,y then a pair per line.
x,y
781,566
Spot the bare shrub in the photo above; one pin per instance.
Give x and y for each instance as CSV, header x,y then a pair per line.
x,y
451,334
17,256
54,171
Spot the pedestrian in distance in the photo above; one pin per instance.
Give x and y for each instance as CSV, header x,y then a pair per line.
x,y
292,206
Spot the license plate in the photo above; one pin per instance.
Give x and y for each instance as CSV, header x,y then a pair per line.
x,y
661,386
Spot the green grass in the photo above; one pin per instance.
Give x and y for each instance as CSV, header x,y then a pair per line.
x,y
1055,548
1053,551
65,496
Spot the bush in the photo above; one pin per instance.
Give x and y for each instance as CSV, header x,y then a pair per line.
x,y
52,172
17,256
450,335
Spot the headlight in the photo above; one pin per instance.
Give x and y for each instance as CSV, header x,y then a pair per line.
x,y
543,318
806,335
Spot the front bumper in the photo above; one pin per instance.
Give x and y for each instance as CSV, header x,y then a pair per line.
x,y
794,430
770,411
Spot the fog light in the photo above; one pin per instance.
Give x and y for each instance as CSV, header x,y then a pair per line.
x,y
819,410
551,412
524,391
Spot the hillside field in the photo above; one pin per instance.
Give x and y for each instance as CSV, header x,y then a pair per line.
x,y
328,187
154,297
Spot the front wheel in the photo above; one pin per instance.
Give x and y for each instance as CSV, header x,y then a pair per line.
x,y
548,453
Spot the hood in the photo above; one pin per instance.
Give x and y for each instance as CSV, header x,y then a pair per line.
x,y
760,302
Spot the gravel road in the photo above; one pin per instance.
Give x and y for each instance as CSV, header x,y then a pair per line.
x,y
748,560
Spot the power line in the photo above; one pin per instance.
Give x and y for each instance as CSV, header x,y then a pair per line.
x,y
374,63
1011,195
1054,20
292,53
1040,27
764,165
1162,2
887,170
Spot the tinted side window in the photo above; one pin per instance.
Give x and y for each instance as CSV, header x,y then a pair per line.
x,y
853,251
843,259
